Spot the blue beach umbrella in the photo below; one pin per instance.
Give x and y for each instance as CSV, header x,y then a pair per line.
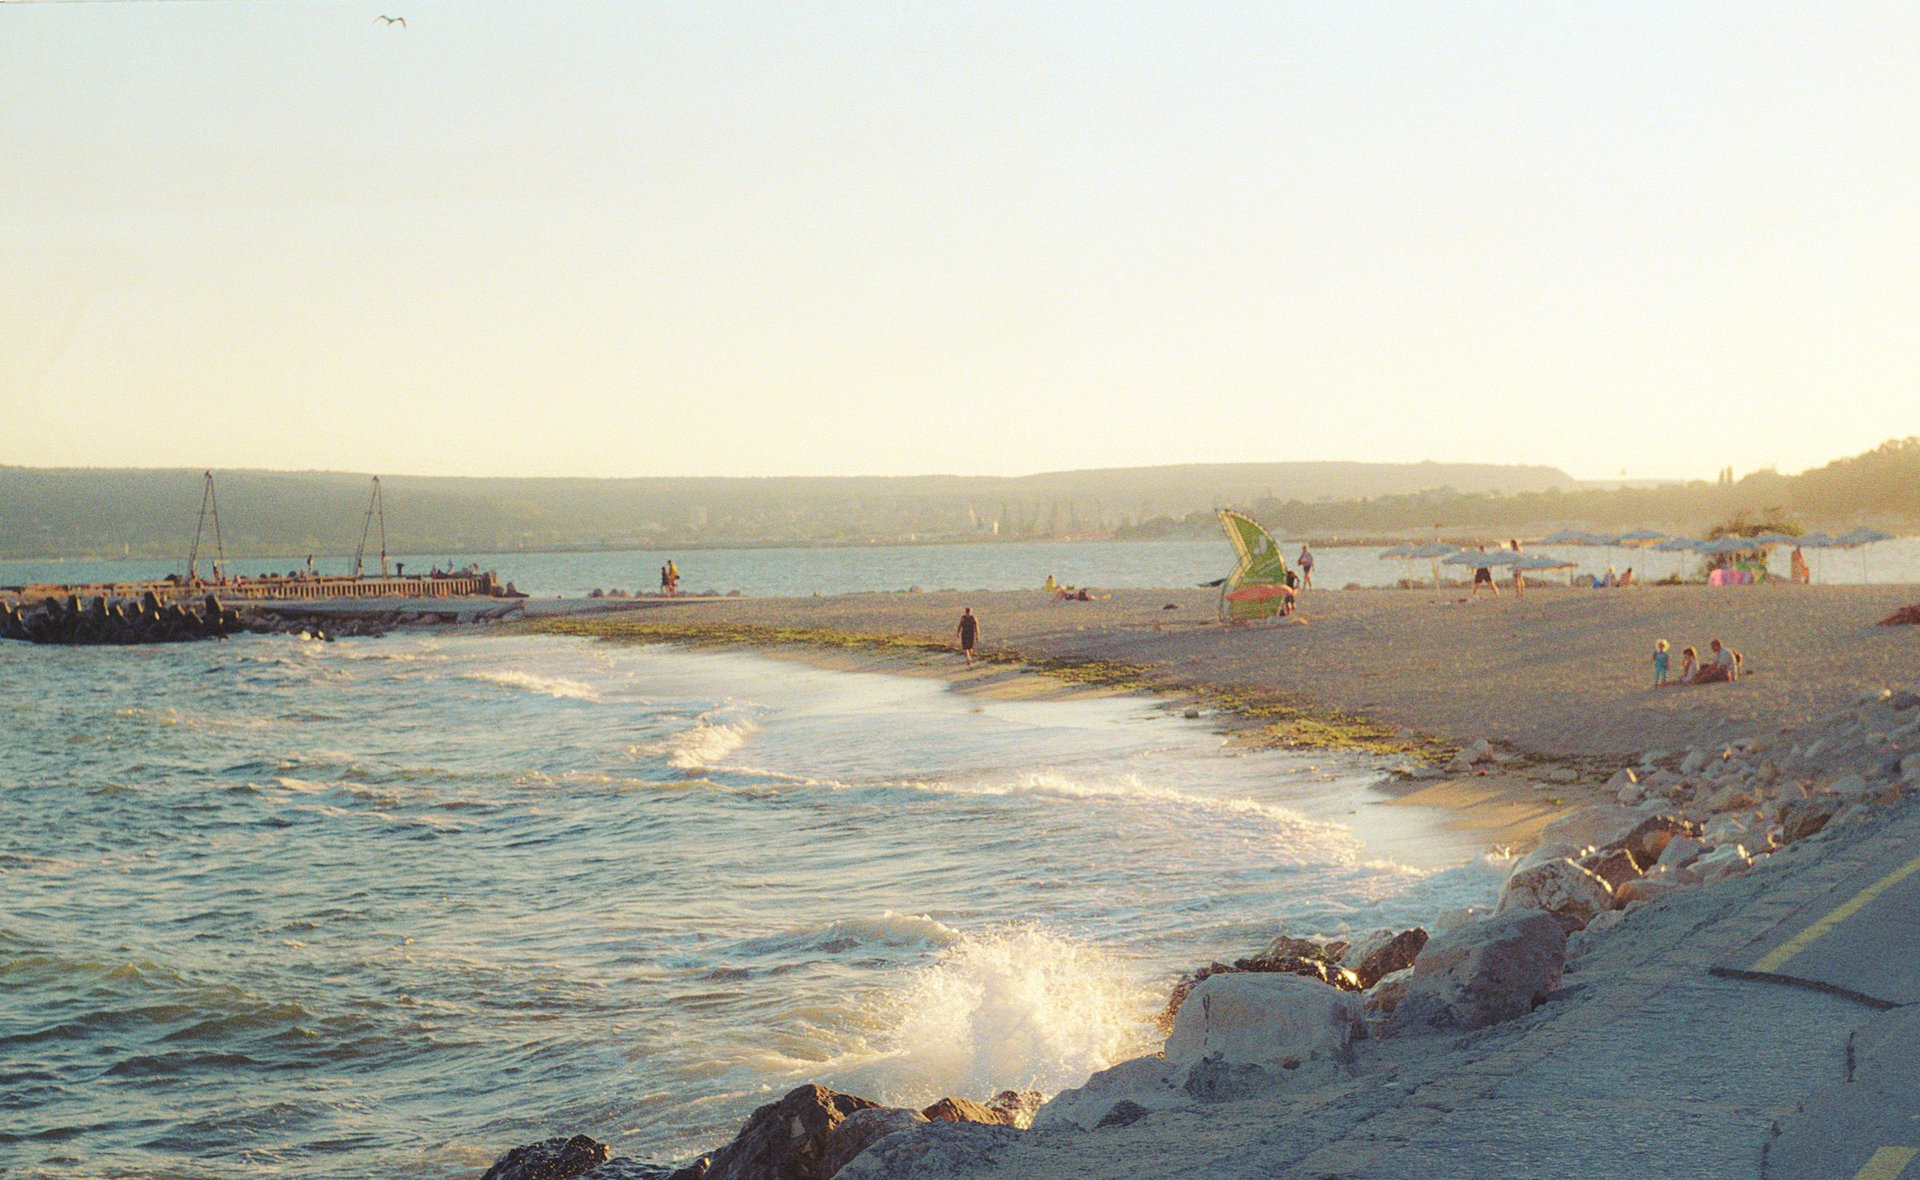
x,y
1859,539
1639,537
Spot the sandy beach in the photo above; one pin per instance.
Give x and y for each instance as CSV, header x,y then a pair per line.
x,y
1558,674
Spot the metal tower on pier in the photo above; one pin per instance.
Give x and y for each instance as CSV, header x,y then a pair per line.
x,y
376,508
209,507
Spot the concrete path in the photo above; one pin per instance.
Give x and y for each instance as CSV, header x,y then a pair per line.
x,y
1860,940
1868,1126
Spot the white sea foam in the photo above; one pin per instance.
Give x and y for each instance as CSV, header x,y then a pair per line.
x,y
1019,1007
705,745
554,686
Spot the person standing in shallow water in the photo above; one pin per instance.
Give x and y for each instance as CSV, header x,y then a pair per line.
x,y
968,632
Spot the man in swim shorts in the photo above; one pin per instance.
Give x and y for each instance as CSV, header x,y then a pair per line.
x,y
968,632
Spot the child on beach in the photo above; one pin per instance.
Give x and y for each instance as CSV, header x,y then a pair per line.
x,y
1689,665
1659,662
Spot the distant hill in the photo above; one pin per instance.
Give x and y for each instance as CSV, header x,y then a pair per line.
x,y
107,512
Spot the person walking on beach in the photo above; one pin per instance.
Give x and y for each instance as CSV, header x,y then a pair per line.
x,y
1306,567
1483,576
968,633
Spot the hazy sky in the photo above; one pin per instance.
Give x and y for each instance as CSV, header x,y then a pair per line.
x,y
618,238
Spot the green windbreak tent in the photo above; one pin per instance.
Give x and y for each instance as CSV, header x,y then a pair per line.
x,y
1257,588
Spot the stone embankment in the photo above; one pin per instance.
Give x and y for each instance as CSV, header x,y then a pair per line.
x,y
99,621
1298,1016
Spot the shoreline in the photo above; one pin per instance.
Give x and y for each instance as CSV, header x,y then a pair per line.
x,y
1627,1057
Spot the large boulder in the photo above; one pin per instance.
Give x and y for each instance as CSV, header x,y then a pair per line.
x,y
1561,888
861,1130
1017,1107
786,1140
1648,838
1375,956
1616,867
1238,1034
932,1151
550,1159
963,1110
1800,818
1484,972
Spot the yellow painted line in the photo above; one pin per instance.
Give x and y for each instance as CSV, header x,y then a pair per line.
x,y
1775,958
1887,1163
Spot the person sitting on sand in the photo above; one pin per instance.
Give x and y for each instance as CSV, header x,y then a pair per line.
x,y
1724,664
1660,663
1050,584
1689,666
1611,580
1626,579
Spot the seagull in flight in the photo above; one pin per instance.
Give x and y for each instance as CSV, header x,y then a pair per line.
x,y
393,20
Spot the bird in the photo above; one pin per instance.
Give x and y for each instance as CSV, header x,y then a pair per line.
x,y
393,20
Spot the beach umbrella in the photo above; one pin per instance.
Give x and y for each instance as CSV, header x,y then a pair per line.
x,y
1677,545
1769,540
1565,537
1639,537
1524,562
1859,539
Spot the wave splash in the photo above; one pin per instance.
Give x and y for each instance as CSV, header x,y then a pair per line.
x,y
1017,1008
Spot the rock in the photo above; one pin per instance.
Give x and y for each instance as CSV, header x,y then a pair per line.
x,y
1563,774
1017,1107
549,1159
1680,852
1647,839
1382,959
962,1110
1150,1082
622,1167
861,1130
1910,768
697,1170
1604,922
1615,867
1695,759
1800,818
1484,973
1598,824
1728,860
1278,959
1387,994
932,1151
1123,1114
1264,1020
1647,889
1561,888
786,1140
1239,1033
1849,785
1727,829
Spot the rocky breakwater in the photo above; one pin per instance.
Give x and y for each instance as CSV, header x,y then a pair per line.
x,y
812,1133
1686,818
100,621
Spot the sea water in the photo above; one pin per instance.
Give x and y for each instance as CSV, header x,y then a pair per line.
x,y
389,906
1012,565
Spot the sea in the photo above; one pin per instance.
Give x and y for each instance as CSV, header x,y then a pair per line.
x,y
389,906
986,566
